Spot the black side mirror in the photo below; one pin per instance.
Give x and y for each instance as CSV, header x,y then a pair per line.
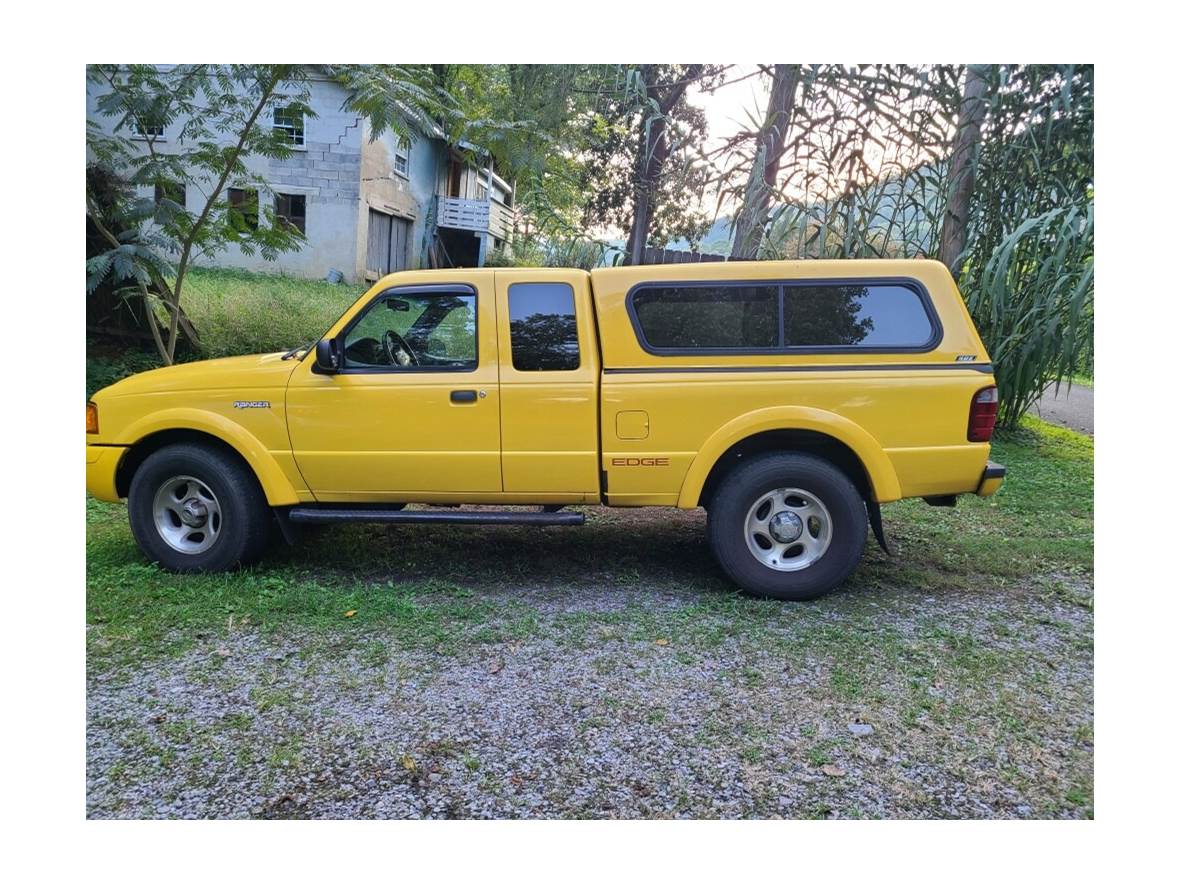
x,y
327,361
397,304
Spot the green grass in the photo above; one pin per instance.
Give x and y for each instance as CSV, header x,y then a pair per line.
x,y
241,312
234,312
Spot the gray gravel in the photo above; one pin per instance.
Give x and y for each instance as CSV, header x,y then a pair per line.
x,y
968,704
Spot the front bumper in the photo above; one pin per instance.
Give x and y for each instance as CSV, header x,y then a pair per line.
x,y
992,479
101,464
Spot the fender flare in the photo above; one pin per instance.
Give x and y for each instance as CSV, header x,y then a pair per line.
x,y
879,469
275,484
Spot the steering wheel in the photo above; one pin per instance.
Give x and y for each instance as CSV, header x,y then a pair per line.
x,y
397,350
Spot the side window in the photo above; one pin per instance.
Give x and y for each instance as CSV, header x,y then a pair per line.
x,y
780,317
414,332
543,327
870,316
292,209
708,317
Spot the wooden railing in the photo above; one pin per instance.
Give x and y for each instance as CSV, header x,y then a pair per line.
x,y
491,216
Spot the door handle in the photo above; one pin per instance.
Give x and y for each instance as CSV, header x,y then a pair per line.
x,y
462,396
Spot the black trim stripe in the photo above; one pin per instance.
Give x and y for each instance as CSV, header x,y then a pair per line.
x,y
986,368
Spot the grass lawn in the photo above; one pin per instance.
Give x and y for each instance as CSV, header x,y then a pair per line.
x,y
241,312
608,670
235,312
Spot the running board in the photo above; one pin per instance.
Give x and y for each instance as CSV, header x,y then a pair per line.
x,y
463,517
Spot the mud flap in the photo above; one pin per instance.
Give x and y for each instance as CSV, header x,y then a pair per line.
x,y
290,532
878,529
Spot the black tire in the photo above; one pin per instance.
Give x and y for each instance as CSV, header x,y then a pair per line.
x,y
742,488
244,519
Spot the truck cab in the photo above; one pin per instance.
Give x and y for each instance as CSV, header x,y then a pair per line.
x,y
789,399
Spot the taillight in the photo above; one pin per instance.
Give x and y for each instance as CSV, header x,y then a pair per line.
x,y
982,420
91,418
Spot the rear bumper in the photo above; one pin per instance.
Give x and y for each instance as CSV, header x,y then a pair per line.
x,y
101,464
992,479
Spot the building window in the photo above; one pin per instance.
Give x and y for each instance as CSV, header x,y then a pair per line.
x,y
292,209
544,330
243,208
171,190
147,126
401,158
289,121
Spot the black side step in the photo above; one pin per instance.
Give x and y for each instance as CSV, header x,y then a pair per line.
x,y
465,517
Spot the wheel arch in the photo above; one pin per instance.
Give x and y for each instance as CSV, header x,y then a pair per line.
x,y
168,430
797,429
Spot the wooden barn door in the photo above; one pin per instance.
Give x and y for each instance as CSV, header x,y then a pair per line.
x,y
389,242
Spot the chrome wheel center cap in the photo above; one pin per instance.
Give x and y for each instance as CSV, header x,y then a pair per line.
x,y
193,513
786,527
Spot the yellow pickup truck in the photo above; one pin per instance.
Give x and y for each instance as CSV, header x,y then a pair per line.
x,y
790,399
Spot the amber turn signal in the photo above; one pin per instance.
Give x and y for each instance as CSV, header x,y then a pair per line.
x,y
91,418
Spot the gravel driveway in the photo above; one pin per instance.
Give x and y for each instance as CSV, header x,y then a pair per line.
x,y
628,702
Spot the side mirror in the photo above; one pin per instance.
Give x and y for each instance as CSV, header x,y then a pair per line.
x,y
327,362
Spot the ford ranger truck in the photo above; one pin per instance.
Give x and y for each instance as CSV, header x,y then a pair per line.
x,y
789,399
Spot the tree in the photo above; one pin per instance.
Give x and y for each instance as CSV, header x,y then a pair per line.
x,y
641,170
660,97
972,110
753,215
529,117
1028,267
221,112
861,172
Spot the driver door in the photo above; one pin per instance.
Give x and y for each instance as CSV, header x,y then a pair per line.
x,y
414,411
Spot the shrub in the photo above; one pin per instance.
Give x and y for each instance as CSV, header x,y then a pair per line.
x,y
1033,303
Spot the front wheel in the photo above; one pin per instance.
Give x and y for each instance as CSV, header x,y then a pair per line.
x,y
787,526
195,508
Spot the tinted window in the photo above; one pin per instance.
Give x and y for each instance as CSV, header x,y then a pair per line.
x,y
855,316
414,331
683,317
544,330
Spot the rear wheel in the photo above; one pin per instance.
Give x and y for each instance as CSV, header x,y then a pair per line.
x,y
195,508
787,526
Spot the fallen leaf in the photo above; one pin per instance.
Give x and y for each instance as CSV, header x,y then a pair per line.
x,y
408,763
661,642
833,771
496,666
350,613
